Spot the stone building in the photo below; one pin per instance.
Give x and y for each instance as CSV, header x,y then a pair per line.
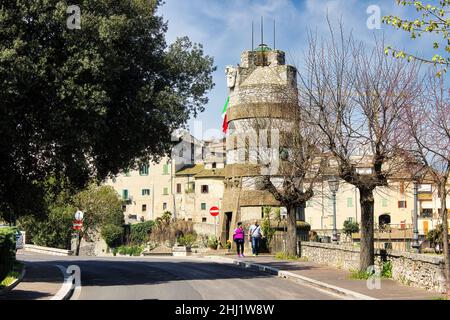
x,y
262,89
149,191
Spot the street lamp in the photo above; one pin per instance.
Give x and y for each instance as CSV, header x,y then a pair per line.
x,y
333,183
415,240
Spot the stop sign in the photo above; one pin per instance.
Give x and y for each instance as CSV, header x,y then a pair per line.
x,y
214,211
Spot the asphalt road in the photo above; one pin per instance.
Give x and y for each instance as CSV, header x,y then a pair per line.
x,y
174,278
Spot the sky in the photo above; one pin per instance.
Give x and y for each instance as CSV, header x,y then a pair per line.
x,y
223,27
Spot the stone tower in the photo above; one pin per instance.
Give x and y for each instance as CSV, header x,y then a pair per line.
x,y
261,88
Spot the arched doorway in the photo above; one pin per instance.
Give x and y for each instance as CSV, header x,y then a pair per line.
x,y
384,220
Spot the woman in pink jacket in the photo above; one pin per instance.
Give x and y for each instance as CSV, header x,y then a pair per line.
x,y
239,237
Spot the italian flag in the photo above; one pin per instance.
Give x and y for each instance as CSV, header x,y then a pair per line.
x,y
224,116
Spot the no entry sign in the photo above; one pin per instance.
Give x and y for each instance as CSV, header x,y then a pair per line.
x,y
214,211
77,224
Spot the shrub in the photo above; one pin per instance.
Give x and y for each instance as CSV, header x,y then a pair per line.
x,y
350,227
213,242
7,250
112,234
188,239
386,271
140,232
130,250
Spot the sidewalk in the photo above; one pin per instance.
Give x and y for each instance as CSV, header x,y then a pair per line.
x,y
390,289
42,281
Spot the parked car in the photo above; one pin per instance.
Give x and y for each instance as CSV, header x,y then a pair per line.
x,y
19,238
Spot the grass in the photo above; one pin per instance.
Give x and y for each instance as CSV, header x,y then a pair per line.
x,y
12,275
386,272
285,256
439,298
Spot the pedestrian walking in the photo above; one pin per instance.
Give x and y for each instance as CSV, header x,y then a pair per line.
x,y
255,237
238,237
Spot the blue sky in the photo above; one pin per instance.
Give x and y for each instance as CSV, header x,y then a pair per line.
x,y
224,29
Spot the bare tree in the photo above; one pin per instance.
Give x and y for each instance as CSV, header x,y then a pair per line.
x,y
428,125
354,97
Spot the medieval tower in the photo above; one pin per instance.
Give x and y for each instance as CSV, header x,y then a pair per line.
x,y
261,89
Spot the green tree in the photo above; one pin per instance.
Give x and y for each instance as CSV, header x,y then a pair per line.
x,y
101,206
434,19
89,102
350,227
140,232
112,234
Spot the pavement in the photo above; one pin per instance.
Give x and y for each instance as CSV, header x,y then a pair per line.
x,y
42,280
339,279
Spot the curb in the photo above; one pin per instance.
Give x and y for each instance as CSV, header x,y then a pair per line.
x,y
15,283
295,277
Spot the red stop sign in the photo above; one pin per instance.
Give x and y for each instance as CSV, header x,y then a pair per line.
x,y
214,211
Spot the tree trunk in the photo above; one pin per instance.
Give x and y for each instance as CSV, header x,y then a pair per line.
x,y
366,256
444,215
291,237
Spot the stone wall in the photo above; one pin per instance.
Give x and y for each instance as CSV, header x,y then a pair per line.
x,y
417,270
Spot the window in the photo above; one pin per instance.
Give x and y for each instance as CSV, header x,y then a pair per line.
x,y
349,202
145,192
402,204
203,206
124,208
192,151
204,188
166,169
214,165
143,170
189,219
165,191
125,194
178,187
402,187
144,207
203,219
426,213
384,203
164,206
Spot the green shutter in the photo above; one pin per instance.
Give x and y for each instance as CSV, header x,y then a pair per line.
x,y
384,202
349,202
203,206
165,191
166,169
125,194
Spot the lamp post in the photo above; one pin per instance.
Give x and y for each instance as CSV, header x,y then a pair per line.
x,y
333,183
415,240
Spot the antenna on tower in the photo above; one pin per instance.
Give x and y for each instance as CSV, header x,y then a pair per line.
x,y
252,36
273,34
262,30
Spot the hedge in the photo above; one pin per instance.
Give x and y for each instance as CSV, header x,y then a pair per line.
x,y
7,251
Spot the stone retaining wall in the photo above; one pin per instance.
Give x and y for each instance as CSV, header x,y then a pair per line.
x,y
417,270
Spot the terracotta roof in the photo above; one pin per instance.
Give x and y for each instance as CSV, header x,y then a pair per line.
x,y
199,171
210,173
190,170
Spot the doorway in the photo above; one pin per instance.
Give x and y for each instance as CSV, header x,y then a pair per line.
x,y
228,216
